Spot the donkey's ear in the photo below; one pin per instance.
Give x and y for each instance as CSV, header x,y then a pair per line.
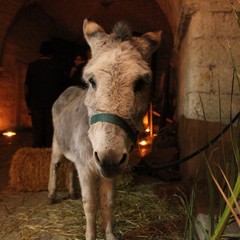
x,y
94,35
148,43
153,40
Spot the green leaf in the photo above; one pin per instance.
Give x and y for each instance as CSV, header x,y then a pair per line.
x,y
232,235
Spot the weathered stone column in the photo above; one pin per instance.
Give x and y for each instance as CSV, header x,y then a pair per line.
x,y
205,72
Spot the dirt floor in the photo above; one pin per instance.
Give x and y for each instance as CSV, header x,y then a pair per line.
x,y
11,202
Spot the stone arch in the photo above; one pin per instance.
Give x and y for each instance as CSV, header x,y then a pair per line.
x,y
9,9
18,49
16,54
8,12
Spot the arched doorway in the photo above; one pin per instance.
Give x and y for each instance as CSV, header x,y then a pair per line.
x,y
43,20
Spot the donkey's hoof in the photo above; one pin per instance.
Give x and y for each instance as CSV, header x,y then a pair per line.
x,y
51,200
73,196
111,237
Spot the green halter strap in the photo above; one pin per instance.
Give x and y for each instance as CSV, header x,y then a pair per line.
x,y
107,117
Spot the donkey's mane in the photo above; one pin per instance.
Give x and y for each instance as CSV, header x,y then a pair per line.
x,y
122,31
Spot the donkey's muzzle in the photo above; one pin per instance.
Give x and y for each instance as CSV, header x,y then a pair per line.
x,y
112,118
110,164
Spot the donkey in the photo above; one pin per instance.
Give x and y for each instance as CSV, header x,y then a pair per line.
x,y
96,128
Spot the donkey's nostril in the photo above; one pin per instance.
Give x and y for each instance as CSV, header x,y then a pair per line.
x,y
124,158
107,160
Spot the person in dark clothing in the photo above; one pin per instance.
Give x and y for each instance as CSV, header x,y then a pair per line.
x,y
45,81
75,76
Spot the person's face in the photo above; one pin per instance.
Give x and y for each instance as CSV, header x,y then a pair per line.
x,y
78,60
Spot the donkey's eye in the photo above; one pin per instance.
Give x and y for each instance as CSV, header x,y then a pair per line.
x,y
139,85
93,83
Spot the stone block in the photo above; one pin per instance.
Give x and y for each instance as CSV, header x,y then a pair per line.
x,y
207,80
209,107
217,25
205,53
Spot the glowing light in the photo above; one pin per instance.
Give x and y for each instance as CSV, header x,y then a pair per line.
x,y
143,143
9,134
147,130
145,120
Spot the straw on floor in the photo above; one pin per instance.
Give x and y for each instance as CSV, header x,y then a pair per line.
x,y
139,214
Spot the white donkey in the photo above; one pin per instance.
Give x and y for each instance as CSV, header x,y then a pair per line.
x,y
97,127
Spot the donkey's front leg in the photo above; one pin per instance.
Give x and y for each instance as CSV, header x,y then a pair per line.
x,y
107,187
90,201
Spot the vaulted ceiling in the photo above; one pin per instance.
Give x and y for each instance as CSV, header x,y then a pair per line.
x,y
67,16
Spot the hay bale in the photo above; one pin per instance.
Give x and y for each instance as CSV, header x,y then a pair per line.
x,y
29,170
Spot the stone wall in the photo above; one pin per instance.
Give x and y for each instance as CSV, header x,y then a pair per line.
x,y
205,76
8,11
172,9
20,47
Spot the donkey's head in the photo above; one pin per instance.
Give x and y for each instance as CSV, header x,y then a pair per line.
x,y
119,79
